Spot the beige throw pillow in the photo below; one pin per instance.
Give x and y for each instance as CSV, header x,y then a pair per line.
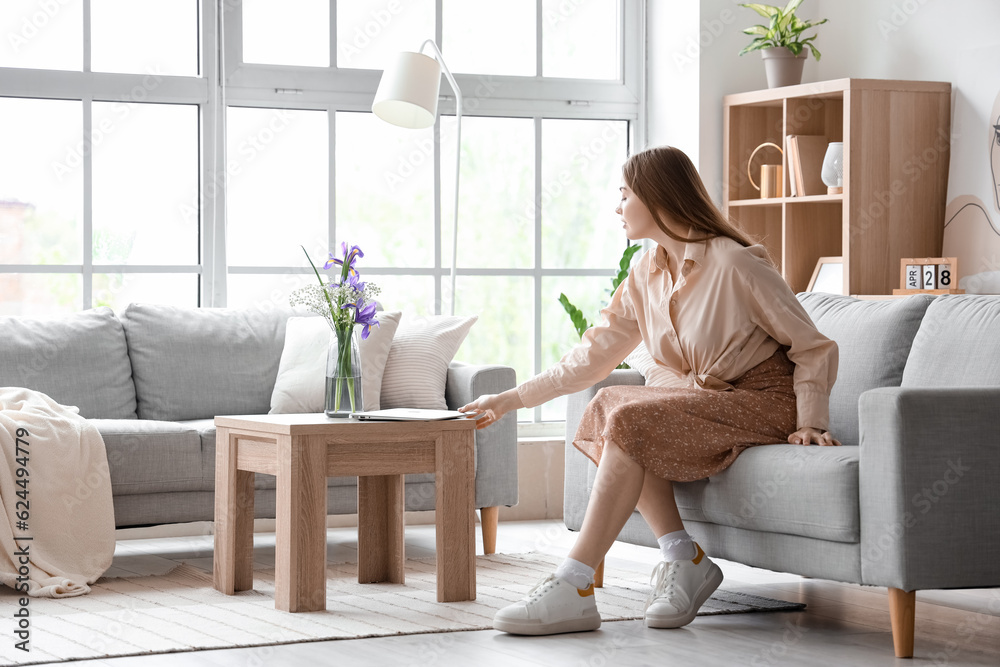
x,y
417,369
301,382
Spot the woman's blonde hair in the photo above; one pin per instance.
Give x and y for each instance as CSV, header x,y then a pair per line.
x,y
665,180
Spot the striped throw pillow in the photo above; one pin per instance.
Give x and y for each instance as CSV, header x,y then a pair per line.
x,y
417,368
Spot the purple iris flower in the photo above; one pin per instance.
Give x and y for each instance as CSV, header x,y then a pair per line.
x,y
354,280
350,256
364,315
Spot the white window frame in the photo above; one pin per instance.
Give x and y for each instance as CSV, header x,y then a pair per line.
x,y
330,89
88,87
334,89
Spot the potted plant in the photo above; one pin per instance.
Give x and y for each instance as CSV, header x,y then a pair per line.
x,y
781,42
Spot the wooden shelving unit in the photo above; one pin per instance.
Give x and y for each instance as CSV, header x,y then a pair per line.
x,y
896,138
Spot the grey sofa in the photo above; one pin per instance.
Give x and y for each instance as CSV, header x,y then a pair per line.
x,y
912,499
154,380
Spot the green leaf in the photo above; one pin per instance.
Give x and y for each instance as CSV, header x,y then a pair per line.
x,y
767,11
321,283
815,51
811,24
794,47
755,45
755,30
575,315
791,7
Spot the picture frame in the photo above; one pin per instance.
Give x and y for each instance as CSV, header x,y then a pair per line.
x,y
828,276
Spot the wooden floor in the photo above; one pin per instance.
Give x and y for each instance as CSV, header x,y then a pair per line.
x,y
844,624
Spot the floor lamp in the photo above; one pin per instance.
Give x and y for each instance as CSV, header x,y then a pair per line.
x,y
407,96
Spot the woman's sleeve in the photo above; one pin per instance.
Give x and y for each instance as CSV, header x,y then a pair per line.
x,y
602,348
775,309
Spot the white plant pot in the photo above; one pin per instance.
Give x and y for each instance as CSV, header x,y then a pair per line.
x,y
783,68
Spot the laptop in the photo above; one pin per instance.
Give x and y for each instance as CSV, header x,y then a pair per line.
x,y
413,414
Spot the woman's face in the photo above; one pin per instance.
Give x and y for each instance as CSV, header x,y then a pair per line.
x,y
995,151
637,221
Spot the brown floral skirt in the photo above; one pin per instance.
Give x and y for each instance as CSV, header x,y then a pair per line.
x,y
687,434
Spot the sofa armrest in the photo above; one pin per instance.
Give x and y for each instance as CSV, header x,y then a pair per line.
x,y
928,470
496,445
576,489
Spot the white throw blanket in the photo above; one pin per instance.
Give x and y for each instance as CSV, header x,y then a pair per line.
x,y
56,489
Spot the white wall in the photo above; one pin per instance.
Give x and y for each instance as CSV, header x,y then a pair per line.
x,y
937,40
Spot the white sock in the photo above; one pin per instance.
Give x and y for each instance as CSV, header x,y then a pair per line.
x,y
576,573
677,545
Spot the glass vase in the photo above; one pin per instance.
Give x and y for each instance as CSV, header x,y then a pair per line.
x,y
343,374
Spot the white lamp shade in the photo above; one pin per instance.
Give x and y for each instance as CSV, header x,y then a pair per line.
x,y
408,92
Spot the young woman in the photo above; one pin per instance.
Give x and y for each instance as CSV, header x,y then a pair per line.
x,y
739,364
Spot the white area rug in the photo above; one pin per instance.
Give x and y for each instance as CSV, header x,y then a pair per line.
x,y
180,611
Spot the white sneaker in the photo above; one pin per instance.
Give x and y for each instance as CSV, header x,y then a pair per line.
x,y
551,607
680,587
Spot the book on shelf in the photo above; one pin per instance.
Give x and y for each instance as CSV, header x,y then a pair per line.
x,y
792,158
805,160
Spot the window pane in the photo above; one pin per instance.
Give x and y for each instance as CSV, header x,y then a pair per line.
x,y
496,194
40,294
505,330
587,293
41,182
153,36
42,35
370,32
580,39
489,37
264,291
414,295
287,32
278,187
581,173
118,290
145,183
385,190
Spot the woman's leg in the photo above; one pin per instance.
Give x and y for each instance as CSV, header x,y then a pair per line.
x,y
617,488
658,507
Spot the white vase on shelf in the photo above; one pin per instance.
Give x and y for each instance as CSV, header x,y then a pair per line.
x,y
833,168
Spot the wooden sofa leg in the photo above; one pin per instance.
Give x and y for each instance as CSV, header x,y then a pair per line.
x,y
489,516
902,612
599,575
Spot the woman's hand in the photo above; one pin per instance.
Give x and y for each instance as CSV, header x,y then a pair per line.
x,y
809,436
494,406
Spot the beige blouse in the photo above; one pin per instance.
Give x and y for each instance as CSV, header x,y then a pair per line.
x,y
729,311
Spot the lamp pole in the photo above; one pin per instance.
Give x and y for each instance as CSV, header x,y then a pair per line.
x,y
458,163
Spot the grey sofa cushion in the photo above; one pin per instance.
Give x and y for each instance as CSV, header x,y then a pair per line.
x,y
146,456
791,489
195,363
958,344
874,338
78,360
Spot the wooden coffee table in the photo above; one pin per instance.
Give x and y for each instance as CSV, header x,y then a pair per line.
x,y
302,450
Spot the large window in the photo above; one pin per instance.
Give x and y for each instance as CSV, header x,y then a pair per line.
x,y
149,160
